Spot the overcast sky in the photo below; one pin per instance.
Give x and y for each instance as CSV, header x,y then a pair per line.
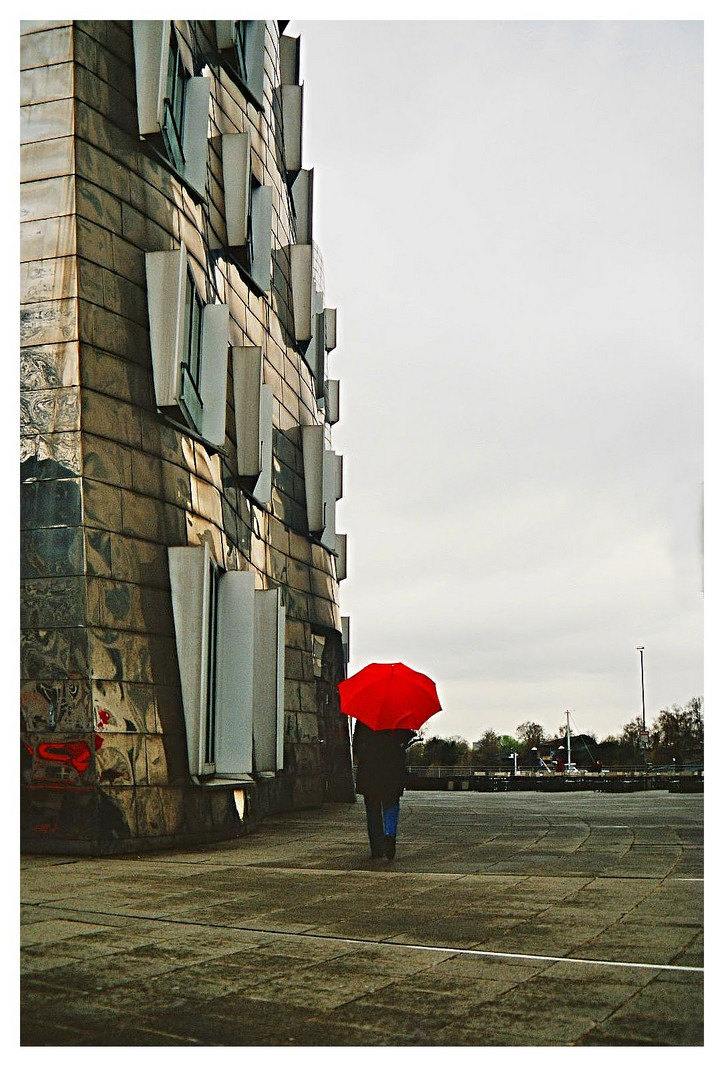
x,y
510,215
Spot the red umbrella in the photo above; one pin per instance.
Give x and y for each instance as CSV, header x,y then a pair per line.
x,y
385,696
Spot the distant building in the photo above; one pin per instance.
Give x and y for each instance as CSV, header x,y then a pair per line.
x,y
181,632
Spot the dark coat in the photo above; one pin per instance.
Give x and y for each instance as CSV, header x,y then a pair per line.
x,y
381,765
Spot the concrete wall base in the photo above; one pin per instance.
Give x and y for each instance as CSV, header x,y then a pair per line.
x,y
91,821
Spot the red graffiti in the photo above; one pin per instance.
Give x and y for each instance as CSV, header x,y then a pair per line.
x,y
76,754
104,717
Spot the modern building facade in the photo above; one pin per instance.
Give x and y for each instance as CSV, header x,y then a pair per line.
x,y
181,631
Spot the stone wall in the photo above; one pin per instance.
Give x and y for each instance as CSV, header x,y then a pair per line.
x,y
108,483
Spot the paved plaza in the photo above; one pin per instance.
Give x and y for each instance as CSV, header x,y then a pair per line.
x,y
507,919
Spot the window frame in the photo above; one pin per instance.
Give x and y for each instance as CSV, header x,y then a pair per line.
x,y
230,643
241,45
190,399
212,665
174,105
323,484
292,110
189,346
244,255
192,584
248,213
254,414
172,102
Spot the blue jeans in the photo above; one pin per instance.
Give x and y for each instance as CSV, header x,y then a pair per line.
x,y
382,818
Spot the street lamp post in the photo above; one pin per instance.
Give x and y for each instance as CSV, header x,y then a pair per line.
x,y
644,736
640,649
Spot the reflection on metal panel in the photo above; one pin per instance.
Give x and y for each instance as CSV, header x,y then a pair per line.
x,y
262,489
345,637
151,48
214,365
301,273
166,283
196,131
261,217
303,198
341,551
331,491
236,166
268,680
313,451
292,103
235,670
318,273
289,56
330,329
189,571
247,371
331,400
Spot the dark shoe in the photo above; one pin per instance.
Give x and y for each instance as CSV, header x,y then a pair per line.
x,y
390,847
377,854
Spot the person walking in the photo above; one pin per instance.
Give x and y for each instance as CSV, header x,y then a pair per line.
x,y
381,778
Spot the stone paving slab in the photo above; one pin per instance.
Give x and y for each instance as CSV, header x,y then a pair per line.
x,y
507,919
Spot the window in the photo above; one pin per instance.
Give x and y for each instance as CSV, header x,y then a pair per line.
x,y
345,637
248,255
318,643
300,256
323,340
230,646
268,727
331,400
173,122
172,103
189,346
292,102
303,204
323,484
211,654
248,212
254,412
330,329
242,38
262,488
289,59
291,97
191,402
341,553
241,46
315,326
313,458
331,493
194,593
315,354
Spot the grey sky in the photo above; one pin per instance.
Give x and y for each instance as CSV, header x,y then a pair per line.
x,y
510,215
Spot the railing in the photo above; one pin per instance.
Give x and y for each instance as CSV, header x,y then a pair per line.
x,y
686,779
442,772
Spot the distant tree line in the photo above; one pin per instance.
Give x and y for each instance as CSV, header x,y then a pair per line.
x,y
676,737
